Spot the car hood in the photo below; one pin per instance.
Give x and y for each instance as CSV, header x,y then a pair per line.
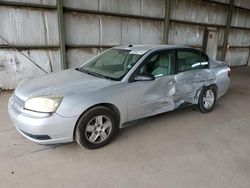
x,y
61,83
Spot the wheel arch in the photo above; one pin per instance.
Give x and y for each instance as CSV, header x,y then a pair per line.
x,y
215,87
203,91
107,105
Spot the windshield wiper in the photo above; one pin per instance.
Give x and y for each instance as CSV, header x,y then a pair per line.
x,y
82,70
94,74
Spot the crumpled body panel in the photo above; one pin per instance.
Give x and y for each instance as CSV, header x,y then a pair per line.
x,y
150,98
170,92
189,84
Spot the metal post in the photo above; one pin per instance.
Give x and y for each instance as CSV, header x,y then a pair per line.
x,y
248,58
59,8
228,24
205,37
166,21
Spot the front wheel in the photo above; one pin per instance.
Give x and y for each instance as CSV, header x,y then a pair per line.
x,y
96,128
207,99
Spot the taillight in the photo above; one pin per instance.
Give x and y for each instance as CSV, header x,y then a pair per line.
x,y
229,72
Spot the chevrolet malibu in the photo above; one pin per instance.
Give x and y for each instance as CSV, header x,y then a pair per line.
x,y
91,103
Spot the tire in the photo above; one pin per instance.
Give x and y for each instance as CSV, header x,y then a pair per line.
x,y
207,99
96,127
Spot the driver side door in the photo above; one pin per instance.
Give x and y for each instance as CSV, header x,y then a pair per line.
x,y
146,98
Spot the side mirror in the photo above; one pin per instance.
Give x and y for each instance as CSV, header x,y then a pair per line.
x,y
144,77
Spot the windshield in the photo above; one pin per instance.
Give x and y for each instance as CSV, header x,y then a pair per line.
x,y
112,64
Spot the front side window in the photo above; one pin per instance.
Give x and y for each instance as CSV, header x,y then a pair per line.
x,y
188,60
159,64
112,64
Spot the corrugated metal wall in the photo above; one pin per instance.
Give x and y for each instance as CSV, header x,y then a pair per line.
x,y
88,29
35,31
91,26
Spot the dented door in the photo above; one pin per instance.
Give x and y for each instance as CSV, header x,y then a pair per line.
x,y
193,73
188,83
147,98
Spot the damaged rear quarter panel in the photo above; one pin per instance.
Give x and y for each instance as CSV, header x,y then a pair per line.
x,y
190,83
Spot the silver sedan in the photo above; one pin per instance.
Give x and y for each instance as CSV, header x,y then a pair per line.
x,y
91,103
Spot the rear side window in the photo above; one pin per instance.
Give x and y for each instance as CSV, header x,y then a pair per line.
x,y
204,61
189,60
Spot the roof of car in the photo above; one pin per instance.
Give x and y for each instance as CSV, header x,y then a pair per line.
x,y
145,48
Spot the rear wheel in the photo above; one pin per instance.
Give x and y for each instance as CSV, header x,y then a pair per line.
x,y
207,99
96,128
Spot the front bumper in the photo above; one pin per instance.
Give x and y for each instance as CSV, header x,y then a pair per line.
x,y
39,127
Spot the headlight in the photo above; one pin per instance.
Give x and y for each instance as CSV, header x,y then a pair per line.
x,y
43,104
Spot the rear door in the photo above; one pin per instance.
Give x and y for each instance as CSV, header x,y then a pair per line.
x,y
192,72
147,98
